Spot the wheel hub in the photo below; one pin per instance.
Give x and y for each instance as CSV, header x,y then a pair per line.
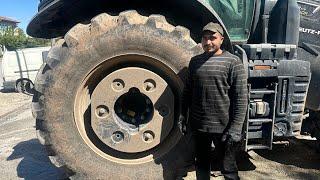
x,y
133,110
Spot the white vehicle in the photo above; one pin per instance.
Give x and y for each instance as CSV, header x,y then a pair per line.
x,y
19,68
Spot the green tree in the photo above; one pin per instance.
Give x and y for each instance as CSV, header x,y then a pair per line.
x,y
36,42
14,39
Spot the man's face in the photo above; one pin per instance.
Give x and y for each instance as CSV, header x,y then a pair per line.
x,y
211,42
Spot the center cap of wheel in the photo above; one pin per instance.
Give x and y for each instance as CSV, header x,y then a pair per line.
x,y
132,110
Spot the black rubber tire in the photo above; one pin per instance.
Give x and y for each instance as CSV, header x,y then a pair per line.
x,y
25,86
19,87
72,58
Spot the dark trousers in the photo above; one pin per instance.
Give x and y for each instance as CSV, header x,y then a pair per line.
x,y
208,147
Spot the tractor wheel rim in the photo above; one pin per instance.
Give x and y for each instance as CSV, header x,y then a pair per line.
x,y
101,123
133,110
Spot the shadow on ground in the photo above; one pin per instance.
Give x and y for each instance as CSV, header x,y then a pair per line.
x,y
296,154
7,91
13,91
244,163
35,163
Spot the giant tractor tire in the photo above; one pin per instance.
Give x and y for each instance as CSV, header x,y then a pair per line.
x,y
106,100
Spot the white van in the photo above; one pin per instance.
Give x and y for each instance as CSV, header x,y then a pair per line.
x,y
21,66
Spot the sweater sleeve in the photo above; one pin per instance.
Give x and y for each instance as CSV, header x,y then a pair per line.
x,y
239,97
187,92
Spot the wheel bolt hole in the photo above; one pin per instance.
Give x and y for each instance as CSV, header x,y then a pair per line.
x,y
102,111
118,84
117,137
148,136
163,111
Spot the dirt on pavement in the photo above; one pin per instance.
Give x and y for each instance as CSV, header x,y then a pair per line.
x,y
21,154
10,101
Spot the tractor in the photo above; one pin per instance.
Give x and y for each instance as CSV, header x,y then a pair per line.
x,y
106,101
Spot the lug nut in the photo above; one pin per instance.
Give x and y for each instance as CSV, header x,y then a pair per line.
x,y
102,111
149,85
148,136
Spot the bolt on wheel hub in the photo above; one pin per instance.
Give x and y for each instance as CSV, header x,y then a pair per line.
x,y
134,110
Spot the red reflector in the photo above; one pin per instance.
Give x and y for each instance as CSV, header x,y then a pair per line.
x,y
262,67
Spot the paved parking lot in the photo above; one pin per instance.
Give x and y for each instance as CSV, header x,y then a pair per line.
x,y
22,156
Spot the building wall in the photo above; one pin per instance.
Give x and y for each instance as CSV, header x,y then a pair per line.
x,y
6,24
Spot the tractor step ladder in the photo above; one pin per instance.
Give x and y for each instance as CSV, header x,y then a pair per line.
x,y
267,123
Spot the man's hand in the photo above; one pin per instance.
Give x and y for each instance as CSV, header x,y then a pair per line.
x,y
231,136
182,124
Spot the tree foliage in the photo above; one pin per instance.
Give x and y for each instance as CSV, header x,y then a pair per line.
x,y
14,39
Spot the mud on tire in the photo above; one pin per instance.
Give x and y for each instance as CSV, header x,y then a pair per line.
x,y
70,62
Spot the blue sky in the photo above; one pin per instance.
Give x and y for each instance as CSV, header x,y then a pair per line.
x,y
21,10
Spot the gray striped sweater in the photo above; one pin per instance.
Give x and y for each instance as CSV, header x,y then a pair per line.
x,y
216,93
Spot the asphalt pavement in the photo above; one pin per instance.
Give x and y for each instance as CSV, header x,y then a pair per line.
x,y
21,154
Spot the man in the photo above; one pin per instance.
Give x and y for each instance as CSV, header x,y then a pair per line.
x,y
216,97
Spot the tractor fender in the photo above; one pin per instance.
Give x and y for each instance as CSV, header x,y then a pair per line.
x,y
56,17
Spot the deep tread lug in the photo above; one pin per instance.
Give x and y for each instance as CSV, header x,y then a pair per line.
x,y
42,137
53,58
77,35
40,125
131,17
159,22
37,109
50,151
102,23
43,78
56,161
181,32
